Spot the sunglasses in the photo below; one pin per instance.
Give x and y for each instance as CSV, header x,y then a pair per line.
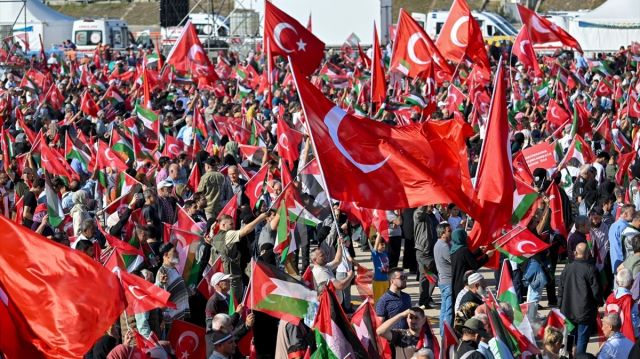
x,y
402,277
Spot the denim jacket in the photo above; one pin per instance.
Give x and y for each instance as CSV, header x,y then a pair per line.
x,y
534,275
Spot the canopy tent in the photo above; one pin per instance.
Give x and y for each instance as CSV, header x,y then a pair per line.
x,y
41,20
611,25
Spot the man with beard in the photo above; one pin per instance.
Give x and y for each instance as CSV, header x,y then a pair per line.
x,y
478,290
394,301
170,280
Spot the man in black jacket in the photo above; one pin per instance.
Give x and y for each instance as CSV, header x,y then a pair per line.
x,y
424,229
580,294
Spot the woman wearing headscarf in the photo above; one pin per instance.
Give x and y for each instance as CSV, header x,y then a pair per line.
x,y
590,194
463,259
201,157
120,352
79,211
607,187
41,221
231,154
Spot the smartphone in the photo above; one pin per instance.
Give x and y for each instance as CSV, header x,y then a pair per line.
x,y
571,340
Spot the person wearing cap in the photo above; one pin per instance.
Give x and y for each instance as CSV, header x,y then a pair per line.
x,y
477,290
211,184
219,301
405,341
166,204
224,245
473,331
223,344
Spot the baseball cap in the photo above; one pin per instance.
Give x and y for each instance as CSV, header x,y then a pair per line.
x,y
218,277
164,184
157,353
475,278
477,327
211,161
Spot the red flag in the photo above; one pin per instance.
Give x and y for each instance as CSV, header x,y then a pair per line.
x,y
414,51
455,98
556,114
622,307
398,169
307,278
624,161
107,157
461,35
378,82
55,98
494,179
173,147
634,107
288,142
143,295
366,323
555,204
187,340
290,38
188,56
53,163
204,286
542,31
521,169
523,49
253,188
364,283
194,178
78,285
88,105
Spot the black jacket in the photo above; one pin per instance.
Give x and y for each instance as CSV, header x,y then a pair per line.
x,y
464,260
580,292
424,229
465,346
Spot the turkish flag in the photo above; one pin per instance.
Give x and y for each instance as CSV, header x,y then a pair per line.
x,y
355,213
414,51
555,205
143,295
188,56
523,50
307,278
204,286
107,157
55,98
378,81
194,179
462,36
288,142
288,37
494,179
556,114
374,164
53,163
173,147
29,283
454,99
515,241
187,340
230,209
582,125
88,105
542,31
521,169
634,107
604,89
253,188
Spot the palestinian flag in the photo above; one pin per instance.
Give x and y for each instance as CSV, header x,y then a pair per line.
x,y
148,117
505,343
557,320
122,145
602,66
77,149
520,244
542,90
558,153
429,275
414,100
281,296
199,124
600,263
95,84
284,244
126,184
507,293
335,337
112,96
240,75
232,302
524,196
141,153
579,150
403,67
151,58
366,323
28,84
54,205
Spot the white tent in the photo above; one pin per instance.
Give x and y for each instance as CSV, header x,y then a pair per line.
x,y
611,25
41,20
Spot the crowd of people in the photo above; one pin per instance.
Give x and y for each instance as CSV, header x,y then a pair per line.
x,y
180,182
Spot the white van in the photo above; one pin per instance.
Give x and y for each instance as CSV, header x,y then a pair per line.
x,y
207,26
494,27
89,32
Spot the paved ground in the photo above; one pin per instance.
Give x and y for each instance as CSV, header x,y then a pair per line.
x,y
364,259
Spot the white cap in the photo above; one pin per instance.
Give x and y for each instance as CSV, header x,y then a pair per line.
x,y
475,278
219,277
164,184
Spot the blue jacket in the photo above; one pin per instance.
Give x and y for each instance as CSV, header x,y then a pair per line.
x,y
615,246
534,275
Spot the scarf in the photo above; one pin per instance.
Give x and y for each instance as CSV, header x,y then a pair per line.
x,y
200,158
79,198
179,293
458,239
232,148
